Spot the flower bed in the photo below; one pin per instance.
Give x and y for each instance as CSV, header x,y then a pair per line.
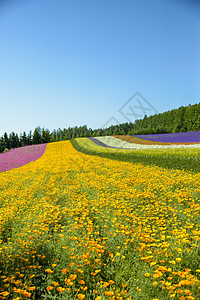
x,y
20,156
113,142
182,137
99,143
137,140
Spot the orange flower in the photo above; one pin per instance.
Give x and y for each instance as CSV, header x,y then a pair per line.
x,y
60,289
49,271
81,296
72,277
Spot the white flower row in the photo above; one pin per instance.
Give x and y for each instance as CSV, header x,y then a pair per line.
x,y
115,142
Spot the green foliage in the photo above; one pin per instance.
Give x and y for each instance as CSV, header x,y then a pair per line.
x,y
45,136
37,137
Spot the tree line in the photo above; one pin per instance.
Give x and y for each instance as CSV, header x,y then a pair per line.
x,y
183,119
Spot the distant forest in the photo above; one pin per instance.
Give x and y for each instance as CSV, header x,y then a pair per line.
x,y
183,119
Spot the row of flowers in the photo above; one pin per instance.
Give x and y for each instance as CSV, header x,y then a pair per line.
x,y
18,157
180,137
114,142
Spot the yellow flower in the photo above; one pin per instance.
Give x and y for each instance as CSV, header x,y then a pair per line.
x,y
72,276
60,289
5,293
178,259
81,296
49,271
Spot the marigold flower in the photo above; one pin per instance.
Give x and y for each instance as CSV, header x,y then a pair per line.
x,y
49,271
178,259
5,293
69,282
81,296
65,271
60,289
109,293
72,276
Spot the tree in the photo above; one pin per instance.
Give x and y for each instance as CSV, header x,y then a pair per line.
x,y
23,139
29,138
6,141
46,137
37,138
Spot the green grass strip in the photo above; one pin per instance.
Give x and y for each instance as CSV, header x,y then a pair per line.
x,y
187,159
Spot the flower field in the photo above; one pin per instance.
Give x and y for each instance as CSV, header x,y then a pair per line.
x,y
77,226
20,156
173,157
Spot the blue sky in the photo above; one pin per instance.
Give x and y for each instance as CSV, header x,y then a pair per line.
x,y
70,63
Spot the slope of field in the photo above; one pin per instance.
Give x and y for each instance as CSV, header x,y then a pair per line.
x,y
173,158
74,226
20,156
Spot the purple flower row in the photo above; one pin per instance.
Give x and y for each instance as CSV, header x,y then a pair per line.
x,y
99,143
20,156
182,137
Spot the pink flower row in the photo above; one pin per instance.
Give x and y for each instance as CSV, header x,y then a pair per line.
x,y
20,156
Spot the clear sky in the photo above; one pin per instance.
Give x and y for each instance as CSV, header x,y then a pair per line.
x,y
73,62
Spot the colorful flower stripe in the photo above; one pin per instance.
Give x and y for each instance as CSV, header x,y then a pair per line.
x,y
74,226
20,156
182,137
99,143
137,140
113,142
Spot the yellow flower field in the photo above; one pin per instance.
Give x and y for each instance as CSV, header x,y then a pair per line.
x,y
74,226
